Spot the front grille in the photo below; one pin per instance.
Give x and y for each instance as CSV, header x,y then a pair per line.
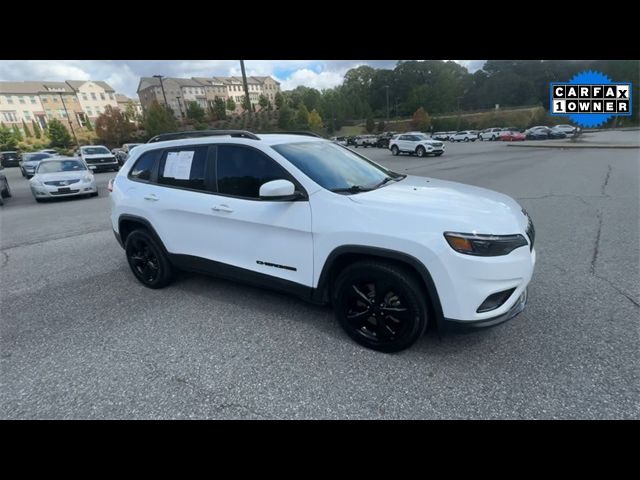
x,y
436,144
94,161
531,231
65,193
61,183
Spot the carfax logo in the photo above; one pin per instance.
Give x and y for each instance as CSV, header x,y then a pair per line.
x,y
590,99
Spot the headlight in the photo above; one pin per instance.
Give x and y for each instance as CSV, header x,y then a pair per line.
x,y
484,245
88,178
37,182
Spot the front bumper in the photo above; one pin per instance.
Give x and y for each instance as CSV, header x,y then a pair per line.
x,y
80,188
104,166
462,326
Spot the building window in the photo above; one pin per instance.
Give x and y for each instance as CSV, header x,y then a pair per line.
x,y
111,96
33,100
9,100
62,113
84,96
93,96
9,116
54,99
102,97
49,113
21,99
26,114
89,112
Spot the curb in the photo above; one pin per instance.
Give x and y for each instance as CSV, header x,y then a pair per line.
x,y
595,145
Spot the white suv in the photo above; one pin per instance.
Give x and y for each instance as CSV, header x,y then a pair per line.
x,y
391,252
490,134
464,136
415,142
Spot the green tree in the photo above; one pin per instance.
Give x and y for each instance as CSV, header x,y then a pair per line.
x,y
36,129
195,112
58,134
231,105
302,117
88,125
381,126
263,101
315,121
246,103
285,118
219,108
370,125
7,139
130,112
279,100
113,127
27,132
421,120
159,119
17,133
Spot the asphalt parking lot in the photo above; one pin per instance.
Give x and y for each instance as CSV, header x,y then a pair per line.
x,y
81,338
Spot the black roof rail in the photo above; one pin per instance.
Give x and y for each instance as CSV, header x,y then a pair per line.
x,y
308,134
163,137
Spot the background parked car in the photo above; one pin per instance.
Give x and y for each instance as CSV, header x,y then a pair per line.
x,y
416,143
10,158
464,136
366,141
511,135
490,134
5,191
567,129
440,136
100,157
351,141
62,177
339,140
49,150
384,139
127,147
30,162
543,133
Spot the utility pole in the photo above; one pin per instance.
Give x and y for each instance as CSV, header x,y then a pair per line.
x,y
180,107
166,104
387,87
69,119
246,87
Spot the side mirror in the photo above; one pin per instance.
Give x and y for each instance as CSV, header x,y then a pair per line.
x,y
279,190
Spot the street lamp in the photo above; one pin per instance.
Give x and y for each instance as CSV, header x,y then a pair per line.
x,y
166,104
69,119
246,87
180,107
387,87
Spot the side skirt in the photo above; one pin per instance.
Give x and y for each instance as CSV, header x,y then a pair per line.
x,y
240,275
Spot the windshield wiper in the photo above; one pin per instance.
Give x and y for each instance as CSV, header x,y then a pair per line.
x,y
388,179
351,189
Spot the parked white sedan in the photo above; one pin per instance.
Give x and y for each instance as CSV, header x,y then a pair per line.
x,y
62,177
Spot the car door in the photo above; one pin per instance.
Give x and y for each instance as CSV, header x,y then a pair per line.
x,y
404,143
271,237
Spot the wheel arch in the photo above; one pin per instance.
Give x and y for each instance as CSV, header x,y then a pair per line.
x,y
345,255
128,223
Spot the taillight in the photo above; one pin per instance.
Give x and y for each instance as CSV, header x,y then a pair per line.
x,y
110,185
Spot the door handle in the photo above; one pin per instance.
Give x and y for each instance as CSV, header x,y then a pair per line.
x,y
222,208
151,196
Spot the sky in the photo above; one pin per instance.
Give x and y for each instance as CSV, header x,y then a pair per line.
x,y
123,75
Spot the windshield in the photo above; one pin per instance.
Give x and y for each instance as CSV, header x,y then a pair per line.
x,y
55,166
35,157
334,167
94,150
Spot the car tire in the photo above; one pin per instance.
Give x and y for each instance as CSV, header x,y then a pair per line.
x,y
466,139
6,191
94,194
420,151
380,305
147,259
395,150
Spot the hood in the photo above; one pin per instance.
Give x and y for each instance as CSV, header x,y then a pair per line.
x,y
48,177
462,208
98,155
431,142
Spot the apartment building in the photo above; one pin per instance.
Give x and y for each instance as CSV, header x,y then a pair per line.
x,y
203,90
124,102
94,96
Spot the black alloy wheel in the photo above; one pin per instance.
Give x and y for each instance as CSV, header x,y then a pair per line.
x,y
147,260
380,305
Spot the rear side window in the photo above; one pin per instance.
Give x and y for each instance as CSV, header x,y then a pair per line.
x,y
184,167
241,171
143,167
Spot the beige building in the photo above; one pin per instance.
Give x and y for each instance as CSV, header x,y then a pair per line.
x,y
93,96
124,102
204,90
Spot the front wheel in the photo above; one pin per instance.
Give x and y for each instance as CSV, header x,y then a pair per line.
x,y
380,305
421,152
395,150
466,139
147,259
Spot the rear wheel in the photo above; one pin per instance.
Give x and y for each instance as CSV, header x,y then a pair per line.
x,y
395,150
147,259
380,305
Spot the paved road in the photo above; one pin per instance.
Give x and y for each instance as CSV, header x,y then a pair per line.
x,y
80,338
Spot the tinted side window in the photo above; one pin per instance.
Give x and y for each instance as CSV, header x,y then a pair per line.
x,y
184,167
241,171
144,166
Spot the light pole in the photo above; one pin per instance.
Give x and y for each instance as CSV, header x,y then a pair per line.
x,y
166,104
246,87
387,87
180,107
69,119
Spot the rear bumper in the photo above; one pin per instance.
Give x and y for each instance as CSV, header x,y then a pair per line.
x,y
465,326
